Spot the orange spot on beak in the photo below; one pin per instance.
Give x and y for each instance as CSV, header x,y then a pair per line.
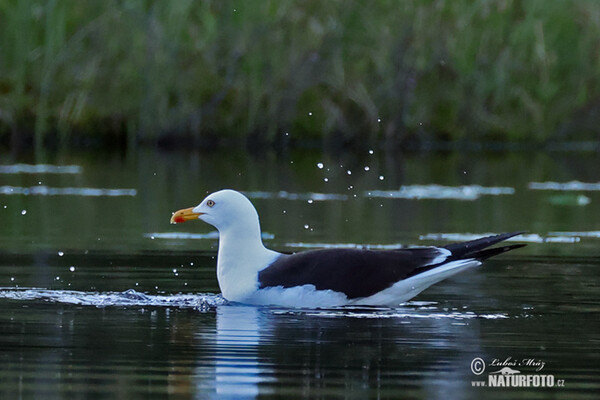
x,y
187,214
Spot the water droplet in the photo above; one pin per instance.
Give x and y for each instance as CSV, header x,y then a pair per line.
x,y
136,284
174,271
378,119
60,254
381,177
306,226
310,201
309,113
192,264
320,165
12,278
23,212
72,268
152,237
284,211
370,151
57,278
349,172
326,179
367,168
4,206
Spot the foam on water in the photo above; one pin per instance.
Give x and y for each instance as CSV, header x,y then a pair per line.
x,y
466,193
129,297
566,186
66,191
297,196
40,169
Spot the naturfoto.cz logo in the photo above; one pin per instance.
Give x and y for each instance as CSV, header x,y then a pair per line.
x,y
510,372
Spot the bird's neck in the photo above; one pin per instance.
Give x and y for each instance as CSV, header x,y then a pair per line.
x,y
241,255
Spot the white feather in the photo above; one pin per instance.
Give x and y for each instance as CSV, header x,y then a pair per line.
x,y
406,289
241,250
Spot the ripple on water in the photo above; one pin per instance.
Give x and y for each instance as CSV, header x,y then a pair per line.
x,y
208,301
552,237
189,235
466,193
66,191
40,169
565,186
297,196
201,301
406,312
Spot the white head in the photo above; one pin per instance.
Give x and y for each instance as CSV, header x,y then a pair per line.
x,y
241,251
225,210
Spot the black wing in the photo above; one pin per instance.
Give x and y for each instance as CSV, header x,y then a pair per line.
x,y
362,273
356,273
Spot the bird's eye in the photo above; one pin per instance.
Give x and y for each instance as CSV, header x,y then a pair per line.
x,y
210,203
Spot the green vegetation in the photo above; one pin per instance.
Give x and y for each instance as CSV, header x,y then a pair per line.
x,y
346,71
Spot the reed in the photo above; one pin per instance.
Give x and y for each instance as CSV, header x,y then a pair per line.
x,y
348,71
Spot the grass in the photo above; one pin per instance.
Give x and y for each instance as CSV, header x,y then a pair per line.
x,y
285,72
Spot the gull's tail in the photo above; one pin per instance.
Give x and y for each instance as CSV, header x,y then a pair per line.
x,y
478,249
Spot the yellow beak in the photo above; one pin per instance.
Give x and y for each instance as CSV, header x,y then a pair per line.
x,y
184,215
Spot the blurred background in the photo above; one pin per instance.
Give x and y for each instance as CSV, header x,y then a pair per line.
x,y
347,123
329,115
335,74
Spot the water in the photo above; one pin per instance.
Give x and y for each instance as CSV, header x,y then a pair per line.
x,y
101,297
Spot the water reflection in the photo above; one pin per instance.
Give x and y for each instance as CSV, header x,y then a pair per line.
x,y
237,370
362,353
231,351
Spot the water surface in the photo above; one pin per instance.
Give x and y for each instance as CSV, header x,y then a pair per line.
x,y
101,297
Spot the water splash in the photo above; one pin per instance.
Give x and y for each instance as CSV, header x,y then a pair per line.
x,y
113,299
467,193
66,191
40,169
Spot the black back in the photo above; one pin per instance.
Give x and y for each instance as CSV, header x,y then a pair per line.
x,y
356,273
362,273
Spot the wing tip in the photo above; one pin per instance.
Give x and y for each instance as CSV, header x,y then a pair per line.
x,y
473,248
